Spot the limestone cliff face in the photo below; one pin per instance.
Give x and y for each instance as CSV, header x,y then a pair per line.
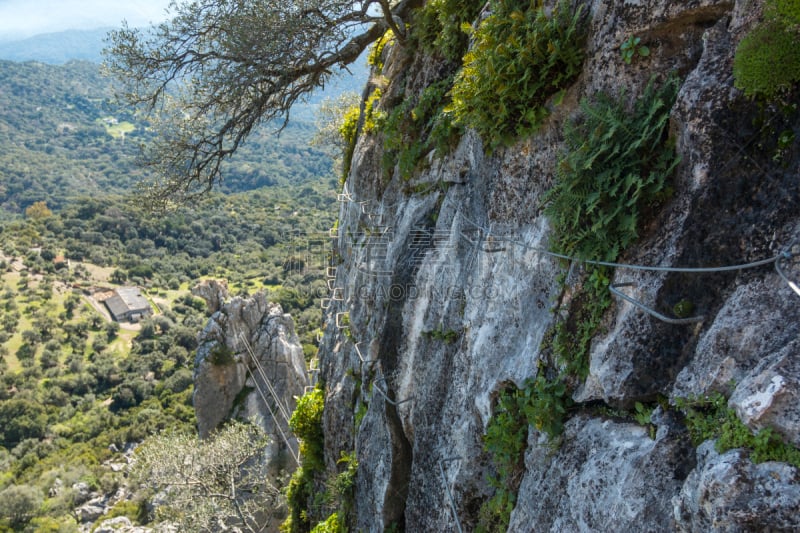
x,y
250,366
445,300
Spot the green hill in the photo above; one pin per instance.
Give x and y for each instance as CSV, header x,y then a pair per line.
x,y
61,137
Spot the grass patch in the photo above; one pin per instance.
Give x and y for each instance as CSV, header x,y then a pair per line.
x,y
117,130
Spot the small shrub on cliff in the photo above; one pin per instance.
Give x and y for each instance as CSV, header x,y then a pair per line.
x,y
306,423
540,403
331,525
710,418
767,60
348,131
221,355
417,126
439,27
521,57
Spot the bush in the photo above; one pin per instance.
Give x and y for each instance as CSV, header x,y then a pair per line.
x,y
306,423
331,525
417,126
221,355
710,418
438,27
520,58
540,403
20,503
21,419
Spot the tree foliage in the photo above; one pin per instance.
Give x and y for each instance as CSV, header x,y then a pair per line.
x,y
217,484
219,68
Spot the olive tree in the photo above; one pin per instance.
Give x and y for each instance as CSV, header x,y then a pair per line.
x,y
218,68
216,484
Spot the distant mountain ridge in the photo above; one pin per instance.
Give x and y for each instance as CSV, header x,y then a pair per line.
x,y
57,48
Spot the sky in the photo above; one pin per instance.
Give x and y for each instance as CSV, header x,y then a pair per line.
x,y
24,18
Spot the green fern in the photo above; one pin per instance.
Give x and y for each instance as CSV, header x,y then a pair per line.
x,y
615,166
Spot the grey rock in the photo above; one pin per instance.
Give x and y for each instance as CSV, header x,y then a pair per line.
x,y
604,476
753,329
56,488
769,396
214,292
115,525
82,492
264,353
92,509
729,493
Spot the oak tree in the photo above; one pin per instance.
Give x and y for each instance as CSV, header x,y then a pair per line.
x,y
219,68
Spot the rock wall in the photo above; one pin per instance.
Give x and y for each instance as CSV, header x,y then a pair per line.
x,y
445,300
250,366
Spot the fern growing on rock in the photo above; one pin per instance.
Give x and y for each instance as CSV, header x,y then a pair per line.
x,y
616,165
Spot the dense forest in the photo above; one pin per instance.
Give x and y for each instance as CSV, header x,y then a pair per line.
x,y
76,390
62,137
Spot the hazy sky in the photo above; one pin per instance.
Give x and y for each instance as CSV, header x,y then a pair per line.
x,y
23,18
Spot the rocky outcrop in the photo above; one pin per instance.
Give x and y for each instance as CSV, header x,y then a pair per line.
x,y
446,298
729,493
214,292
250,365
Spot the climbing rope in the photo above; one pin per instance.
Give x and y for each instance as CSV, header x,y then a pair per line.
x,y
266,403
447,490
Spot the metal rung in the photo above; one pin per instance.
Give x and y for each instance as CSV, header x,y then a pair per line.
x,y
319,336
344,196
334,233
385,397
787,255
331,283
337,294
339,320
325,303
648,310
360,356
382,230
